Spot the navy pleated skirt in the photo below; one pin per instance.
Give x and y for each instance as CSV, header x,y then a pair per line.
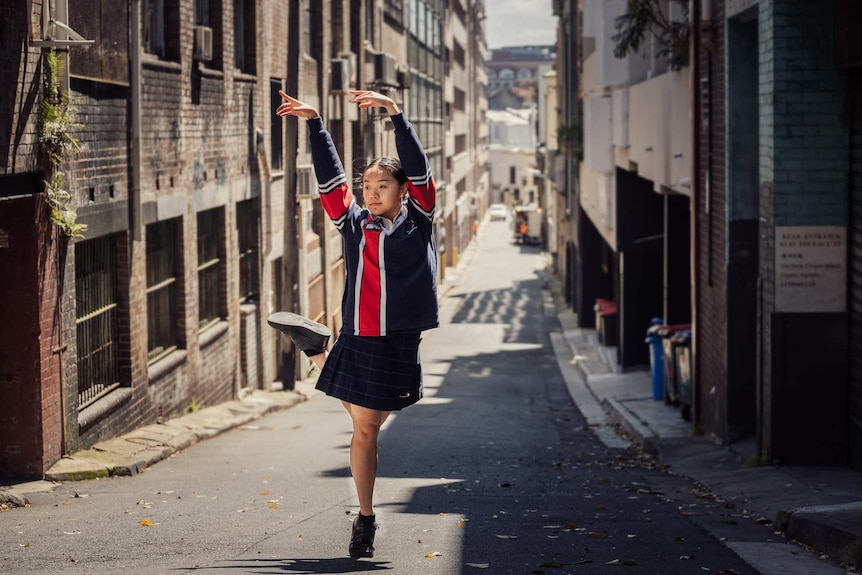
x,y
382,373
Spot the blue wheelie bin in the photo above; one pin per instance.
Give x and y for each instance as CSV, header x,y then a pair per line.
x,y
656,357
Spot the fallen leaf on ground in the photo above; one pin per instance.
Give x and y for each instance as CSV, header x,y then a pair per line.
x,y
147,522
434,554
686,557
67,503
459,524
595,535
264,493
507,536
478,565
273,506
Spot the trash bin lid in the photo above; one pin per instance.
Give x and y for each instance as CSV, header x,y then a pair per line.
x,y
669,330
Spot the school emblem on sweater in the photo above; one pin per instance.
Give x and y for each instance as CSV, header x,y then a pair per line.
x,y
373,226
409,227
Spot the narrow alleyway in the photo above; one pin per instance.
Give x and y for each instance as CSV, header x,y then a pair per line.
x,y
493,472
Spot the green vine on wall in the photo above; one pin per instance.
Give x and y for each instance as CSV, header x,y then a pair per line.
x,y
644,17
56,120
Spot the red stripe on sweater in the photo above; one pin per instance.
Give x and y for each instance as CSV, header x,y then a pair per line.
x,y
336,202
369,293
425,195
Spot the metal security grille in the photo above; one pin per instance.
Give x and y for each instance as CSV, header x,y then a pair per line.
x,y
96,322
209,268
247,230
161,289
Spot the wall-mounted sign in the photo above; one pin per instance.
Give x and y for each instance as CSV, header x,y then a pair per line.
x,y
810,269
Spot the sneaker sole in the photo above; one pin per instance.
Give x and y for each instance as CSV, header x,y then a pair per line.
x,y
285,319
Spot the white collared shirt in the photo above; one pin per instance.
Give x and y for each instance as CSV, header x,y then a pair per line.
x,y
389,225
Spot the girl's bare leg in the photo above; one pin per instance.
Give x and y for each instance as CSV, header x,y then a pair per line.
x,y
363,452
319,359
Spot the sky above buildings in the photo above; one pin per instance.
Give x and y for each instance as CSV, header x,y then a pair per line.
x,y
519,23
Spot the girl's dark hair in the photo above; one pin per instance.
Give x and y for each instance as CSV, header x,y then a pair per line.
x,y
391,164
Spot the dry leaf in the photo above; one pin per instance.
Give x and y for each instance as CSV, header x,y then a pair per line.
x,y
478,565
507,536
67,503
264,493
273,506
459,524
686,557
595,535
434,554
147,522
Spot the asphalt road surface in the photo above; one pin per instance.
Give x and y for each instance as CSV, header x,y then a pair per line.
x,y
494,471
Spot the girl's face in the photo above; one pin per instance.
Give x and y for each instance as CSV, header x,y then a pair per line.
x,y
382,192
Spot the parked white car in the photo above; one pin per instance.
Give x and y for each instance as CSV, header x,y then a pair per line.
x,y
498,212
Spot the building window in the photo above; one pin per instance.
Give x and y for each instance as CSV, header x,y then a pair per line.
x,y
160,21
460,99
512,178
525,73
458,54
393,12
460,143
244,35
276,133
209,13
163,272
247,225
97,321
311,38
211,289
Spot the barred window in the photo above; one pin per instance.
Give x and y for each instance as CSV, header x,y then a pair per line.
x,y
211,306
163,291
96,322
247,225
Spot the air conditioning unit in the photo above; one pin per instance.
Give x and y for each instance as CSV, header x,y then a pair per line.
x,y
384,70
203,43
339,76
306,183
352,66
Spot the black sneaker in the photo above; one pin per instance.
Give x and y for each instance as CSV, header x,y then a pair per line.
x,y
362,537
309,336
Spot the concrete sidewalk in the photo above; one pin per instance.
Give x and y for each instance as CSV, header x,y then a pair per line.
x,y
816,506
131,453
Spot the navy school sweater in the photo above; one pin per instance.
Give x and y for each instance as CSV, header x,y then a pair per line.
x,y
391,284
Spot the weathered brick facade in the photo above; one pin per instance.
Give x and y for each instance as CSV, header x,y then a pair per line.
x,y
711,213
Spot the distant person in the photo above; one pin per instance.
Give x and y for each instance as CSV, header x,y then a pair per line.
x,y
390,294
523,229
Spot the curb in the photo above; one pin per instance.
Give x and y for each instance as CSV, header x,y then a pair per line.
x,y
827,527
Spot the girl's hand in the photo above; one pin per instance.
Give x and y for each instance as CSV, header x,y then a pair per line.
x,y
293,107
370,99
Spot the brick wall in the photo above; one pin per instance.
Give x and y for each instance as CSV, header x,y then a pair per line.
x,y
20,80
199,152
711,359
